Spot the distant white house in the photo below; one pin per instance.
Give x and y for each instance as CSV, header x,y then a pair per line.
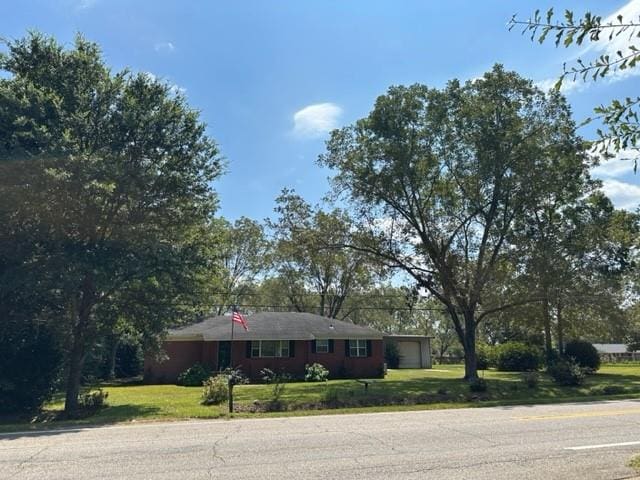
x,y
615,352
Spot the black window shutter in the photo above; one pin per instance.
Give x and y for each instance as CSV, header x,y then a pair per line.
x,y
292,348
368,348
347,351
330,346
248,349
313,346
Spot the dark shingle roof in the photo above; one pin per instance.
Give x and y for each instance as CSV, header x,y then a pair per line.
x,y
274,326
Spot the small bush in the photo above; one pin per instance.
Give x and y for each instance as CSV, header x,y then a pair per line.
x,y
30,361
194,376
567,372
216,390
485,357
478,385
277,380
315,372
93,400
518,357
584,353
531,379
392,355
607,390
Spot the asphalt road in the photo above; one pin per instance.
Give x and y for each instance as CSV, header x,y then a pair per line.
x,y
569,441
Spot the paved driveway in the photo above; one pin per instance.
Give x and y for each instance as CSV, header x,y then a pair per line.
x,y
581,441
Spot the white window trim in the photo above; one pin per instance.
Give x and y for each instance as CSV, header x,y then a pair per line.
x,y
356,347
281,346
324,348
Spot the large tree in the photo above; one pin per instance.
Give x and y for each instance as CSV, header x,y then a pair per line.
x,y
244,253
109,175
310,255
439,178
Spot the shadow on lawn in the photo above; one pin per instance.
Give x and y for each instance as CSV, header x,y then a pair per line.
x,y
47,424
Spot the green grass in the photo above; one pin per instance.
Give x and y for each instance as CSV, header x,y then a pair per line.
x,y
170,402
635,463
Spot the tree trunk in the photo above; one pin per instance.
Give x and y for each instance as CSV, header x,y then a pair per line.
x,y
470,357
560,329
77,354
113,350
548,346
76,362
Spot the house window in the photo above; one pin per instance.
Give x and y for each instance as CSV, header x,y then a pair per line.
x,y
357,348
270,348
322,346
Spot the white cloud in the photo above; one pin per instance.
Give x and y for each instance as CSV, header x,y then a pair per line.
x,y
316,120
568,85
622,194
164,47
618,166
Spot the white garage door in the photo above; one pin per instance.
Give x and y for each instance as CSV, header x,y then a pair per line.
x,y
409,354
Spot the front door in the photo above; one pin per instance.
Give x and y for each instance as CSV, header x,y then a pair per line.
x,y
224,355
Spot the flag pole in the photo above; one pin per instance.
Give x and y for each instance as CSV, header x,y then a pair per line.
x,y
234,309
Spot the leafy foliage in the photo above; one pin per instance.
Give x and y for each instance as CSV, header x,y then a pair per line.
x,y
440,178
119,170
215,390
518,357
316,372
567,371
621,116
584,354
93,400
194,376
310,253
392,355
30,361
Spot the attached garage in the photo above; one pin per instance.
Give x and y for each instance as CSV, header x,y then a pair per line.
x,y
409,354
414,350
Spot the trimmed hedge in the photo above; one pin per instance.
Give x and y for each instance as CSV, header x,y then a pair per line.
x,y
194,376
584,353
517,357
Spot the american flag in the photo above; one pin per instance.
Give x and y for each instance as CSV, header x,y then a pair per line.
x,y
238,318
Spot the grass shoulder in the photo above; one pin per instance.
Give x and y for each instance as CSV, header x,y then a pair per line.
x,y
402,390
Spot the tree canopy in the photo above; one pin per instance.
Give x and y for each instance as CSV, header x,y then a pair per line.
x,y
107,176
440,178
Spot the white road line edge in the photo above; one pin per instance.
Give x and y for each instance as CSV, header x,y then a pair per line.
x,y
604,445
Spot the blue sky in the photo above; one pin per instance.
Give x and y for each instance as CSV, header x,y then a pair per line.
x,y
271,78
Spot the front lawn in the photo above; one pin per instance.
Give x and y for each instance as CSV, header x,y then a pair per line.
x,y
440,387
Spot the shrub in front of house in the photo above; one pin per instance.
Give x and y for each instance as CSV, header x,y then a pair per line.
x,y
517,357
194,376
485,356
316,372
584,353
93,400
30,362
215,390
391,355
567,372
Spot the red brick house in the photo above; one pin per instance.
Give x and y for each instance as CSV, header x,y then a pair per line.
x,y
276,340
